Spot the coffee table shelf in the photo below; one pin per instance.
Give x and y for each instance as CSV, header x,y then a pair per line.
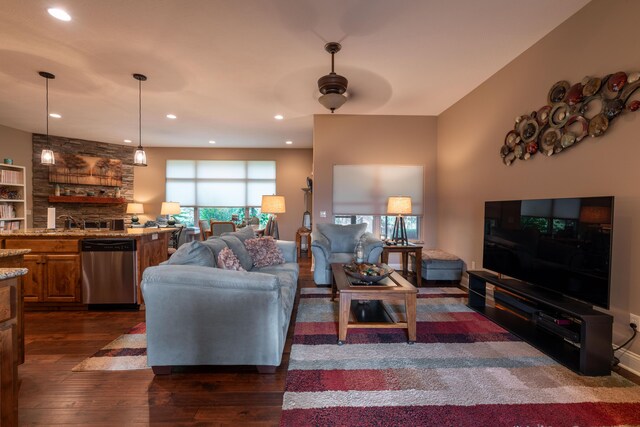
x,y
392,288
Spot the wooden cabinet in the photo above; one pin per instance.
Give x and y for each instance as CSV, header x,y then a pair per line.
x,y
13,194
8,353
54,270
34,280
152,250
62,278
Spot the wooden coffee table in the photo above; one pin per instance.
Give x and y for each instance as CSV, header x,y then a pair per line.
x,y
392,288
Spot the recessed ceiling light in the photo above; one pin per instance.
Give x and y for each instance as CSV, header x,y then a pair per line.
x,y
212,142
55,115
171,116
289,142
128,141
59,14
278,117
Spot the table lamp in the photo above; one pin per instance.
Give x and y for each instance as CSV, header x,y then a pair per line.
x,y
134,208
168,209
272,205
399,205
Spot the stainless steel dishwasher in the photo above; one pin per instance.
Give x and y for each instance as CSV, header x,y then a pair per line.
x,y
109,271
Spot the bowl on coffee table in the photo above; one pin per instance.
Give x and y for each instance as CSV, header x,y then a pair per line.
x,y
366,272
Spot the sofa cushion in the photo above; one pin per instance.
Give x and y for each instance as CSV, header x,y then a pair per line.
x,y
193,253
243,233
264,251
291,267
342,238
234,243
216,245
227,260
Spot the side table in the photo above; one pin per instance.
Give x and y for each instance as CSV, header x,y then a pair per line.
x,y
405,250
303,232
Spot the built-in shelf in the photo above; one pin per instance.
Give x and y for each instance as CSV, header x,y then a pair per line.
x,y
87,199
12,179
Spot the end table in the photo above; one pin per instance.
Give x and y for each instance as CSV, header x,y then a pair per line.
x,y
405,250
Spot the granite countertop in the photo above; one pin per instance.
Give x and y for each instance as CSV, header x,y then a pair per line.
x,y
10,273
13,252
59,232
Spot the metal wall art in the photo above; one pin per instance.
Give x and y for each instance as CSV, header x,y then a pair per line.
x,y
572,113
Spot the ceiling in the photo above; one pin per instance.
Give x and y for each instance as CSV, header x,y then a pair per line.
x,y
225,68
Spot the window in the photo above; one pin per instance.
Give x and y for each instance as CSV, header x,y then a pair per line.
x,y
361,192
219,189
383,223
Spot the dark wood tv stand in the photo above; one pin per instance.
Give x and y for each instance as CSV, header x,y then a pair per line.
x,y
571,332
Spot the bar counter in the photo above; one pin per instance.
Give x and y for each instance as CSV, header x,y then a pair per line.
x,y
93,233
54,281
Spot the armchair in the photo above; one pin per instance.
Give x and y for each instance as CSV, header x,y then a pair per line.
x,y
331,243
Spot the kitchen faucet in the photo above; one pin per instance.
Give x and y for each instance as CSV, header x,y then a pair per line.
x,y
68,220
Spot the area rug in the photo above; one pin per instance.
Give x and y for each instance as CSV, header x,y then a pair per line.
x,y
463,371
125,353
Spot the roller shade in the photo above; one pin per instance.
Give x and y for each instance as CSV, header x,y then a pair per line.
x,y
220,183
364,189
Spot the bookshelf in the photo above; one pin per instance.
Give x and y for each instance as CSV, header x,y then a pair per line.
x,y
13,196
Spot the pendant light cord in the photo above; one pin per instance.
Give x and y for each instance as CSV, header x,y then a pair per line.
x,y
140,114
47,103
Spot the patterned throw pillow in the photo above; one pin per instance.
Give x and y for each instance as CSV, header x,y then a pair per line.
x,y
264,251
227,260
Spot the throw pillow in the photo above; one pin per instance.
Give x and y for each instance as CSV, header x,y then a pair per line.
x,y
227,260
239,250
264,251
193,253
216,245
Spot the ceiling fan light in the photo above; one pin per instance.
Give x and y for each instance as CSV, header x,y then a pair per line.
x,y
332,101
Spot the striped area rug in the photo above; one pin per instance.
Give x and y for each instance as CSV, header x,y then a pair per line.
x,y
125,353
463,371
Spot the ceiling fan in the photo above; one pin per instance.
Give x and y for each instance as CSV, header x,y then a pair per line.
x,y
332,86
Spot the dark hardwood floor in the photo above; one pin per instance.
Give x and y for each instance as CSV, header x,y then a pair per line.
x,y
51,394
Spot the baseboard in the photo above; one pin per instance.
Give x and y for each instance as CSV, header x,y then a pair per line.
x,y
630,361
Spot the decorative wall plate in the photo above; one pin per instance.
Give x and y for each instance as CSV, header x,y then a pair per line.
x,y
572,112
558,92
591,86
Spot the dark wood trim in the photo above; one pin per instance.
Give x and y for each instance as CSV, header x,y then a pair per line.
x,y
87,199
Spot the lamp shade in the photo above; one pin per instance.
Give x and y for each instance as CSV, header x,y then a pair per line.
x,y
595,214
399,205
170,208
135,208
273,204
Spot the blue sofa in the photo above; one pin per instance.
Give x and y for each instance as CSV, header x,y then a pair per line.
x,y
333,243
198,314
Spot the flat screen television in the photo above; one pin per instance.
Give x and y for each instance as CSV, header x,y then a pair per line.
x,y
561,245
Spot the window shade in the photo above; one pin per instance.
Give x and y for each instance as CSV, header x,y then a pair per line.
x,y
220,183
364,189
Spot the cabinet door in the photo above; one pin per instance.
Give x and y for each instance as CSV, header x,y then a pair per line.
x,y
34,280
63,278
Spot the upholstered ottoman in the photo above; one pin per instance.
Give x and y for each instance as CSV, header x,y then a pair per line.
x,y
439,265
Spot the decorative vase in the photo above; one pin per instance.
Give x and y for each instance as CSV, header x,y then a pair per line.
x,y
57,190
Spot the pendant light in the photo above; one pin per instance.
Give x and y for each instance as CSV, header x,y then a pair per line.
x,y
46,157
140,157
332,86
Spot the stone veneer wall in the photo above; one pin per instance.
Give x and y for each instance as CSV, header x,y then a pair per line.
x,y
42,189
